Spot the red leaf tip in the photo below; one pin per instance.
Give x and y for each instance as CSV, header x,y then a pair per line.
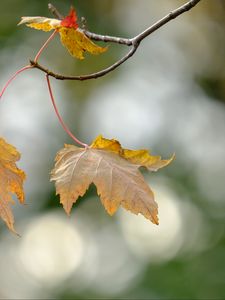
x,y
70,20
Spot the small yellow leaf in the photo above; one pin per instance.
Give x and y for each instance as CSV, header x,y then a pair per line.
x,y
102,143
145,159
73,38
44,27
77,42
40,23
139,157
11,181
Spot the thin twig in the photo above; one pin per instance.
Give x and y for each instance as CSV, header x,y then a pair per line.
x,y
55,12
134,42
59,116
172,15
84,77
108,38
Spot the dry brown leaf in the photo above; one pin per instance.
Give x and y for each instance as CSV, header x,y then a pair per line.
x,y
11,181
113,170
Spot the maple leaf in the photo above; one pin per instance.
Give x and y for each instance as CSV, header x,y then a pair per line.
x,y
113,170
72,37
11,181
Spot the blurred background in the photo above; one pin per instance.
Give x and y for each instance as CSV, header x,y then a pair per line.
x,y
169,97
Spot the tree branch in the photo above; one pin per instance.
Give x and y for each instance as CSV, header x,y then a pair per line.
x,y
55,12
88,76
108,38
172,15
134,42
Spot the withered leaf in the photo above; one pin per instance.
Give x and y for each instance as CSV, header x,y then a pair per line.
x,y
113,170
11,181
40,23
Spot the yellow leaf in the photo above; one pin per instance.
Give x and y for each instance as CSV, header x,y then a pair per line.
x,y
102,143
145,159
117,178
73,38
138,157
40,23
11,181
77,42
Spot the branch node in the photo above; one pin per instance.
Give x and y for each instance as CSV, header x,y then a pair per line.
x,y
84,23
171,15
32,63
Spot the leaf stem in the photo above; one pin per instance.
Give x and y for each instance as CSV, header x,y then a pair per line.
x,y
28,66
60,118
45,45
12,77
